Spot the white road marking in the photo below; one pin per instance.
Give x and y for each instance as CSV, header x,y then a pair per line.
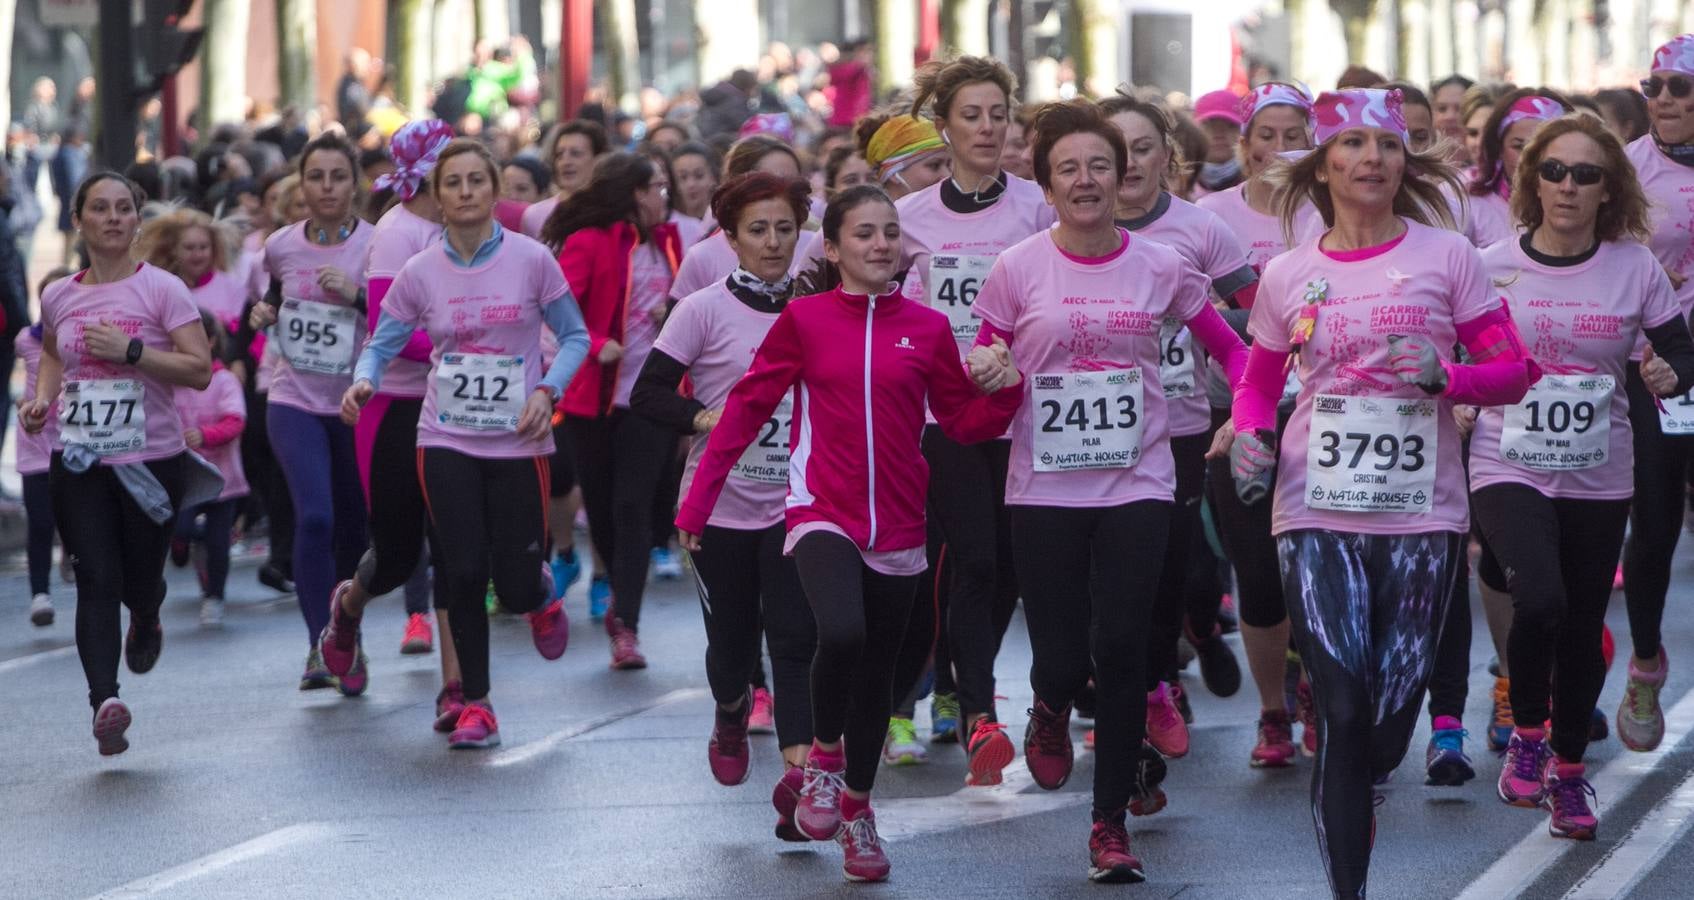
x,y
1633,857
264,844
913,816
33,658
1523,863
525,752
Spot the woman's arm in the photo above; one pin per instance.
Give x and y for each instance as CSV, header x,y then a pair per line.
x,y
654,394
418,347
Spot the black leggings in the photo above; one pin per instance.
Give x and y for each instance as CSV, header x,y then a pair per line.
x,y
1366,617
1088,576
1559,556
38,509
216,536
120,559
1661,484
665,498
490,516
398,520
1449,681
1245,532
619,460
744,580
1170,600
967,502
270,488
925,637
861,617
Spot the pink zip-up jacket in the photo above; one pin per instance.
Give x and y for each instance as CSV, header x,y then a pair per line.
x,y
845,356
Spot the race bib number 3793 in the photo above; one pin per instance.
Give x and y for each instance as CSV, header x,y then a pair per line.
x,y
1371,454
1086,420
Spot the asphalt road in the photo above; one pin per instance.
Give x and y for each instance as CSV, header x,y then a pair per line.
x,y
239,785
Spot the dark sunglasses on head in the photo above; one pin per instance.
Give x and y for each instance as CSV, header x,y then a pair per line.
x,y
1554,172
1679,86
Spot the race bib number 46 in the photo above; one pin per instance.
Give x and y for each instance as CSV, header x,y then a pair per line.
x,y
1176,359
317,337
766,459
1086,420
107,416
1371,454
1564,423
479,391
953,284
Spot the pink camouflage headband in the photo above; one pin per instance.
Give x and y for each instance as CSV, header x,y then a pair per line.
x,y
1532,107
414,148
1677,55
1274,93
1337,111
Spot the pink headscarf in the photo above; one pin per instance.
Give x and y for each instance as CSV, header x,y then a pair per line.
x,y
1677,55
777,125
1337,111
414,148
1274,93
1532,107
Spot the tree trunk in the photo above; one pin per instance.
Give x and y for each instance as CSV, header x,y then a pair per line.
x,y
726,41
1093,44
411,27
493,21
1355,26
8,20
297,41
622,52
896,38
223,63
964,26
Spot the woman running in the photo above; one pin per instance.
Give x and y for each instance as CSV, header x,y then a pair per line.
x,y
744,579
317,299
483,295
856,492
1090,478
34,454
572,152
711,260
1664,444
204,254
212,422
116,338
1370,511
619,255
1487,210
1550,476
695,168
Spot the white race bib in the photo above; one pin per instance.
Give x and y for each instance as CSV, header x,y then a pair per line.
x,y
1676,414
766,459
317,337
1563,423
107,416
479,391
1371,454
1176,359
1087,420
953,283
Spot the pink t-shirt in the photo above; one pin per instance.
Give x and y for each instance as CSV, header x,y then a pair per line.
x,y
649,288
1429,280
1485,220
35,450
536,216
1208,245
1260,235
1580,324
149,305
1670,197
252,266
224,295
711,259
486,324
689,230
198,409
715,335
309,313
400,235
1092,430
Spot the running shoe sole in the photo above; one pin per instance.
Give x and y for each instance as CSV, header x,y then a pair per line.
x,y
1121,874
493,740
989,760
41,618
110,723
1448,773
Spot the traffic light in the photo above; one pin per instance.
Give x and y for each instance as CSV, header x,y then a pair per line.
x,y
165,46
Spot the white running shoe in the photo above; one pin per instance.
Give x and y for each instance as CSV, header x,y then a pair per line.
x,y
667,566
211,613
41,610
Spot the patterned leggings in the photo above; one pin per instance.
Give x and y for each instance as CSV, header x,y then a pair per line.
x,y
1366,612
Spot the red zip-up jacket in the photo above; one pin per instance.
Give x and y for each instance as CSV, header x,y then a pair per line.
x,y
597,264
862,369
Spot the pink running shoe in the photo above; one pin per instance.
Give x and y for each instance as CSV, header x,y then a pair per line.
x,y
1275,747
818,814
626,648
763,719
1109,859
449,704
477,728
727,750
111,720
1165,729
1307,709
1047,746
785,797
550,628
861,851
339,642
1567,799
419,636
1522,770
988,752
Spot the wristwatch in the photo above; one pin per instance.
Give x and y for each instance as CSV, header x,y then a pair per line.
x,y
133,354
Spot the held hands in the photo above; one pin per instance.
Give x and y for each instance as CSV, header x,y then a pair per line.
x,y
1658,375
1414,360
706,419
336,282
688,540
1222,440
194,438
1252,456
357,395
991,366
1465,417
106,342
610,352
263,316
536,421
32,415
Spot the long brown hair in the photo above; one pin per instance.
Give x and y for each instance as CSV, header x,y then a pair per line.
x,y
1623,215
1419,197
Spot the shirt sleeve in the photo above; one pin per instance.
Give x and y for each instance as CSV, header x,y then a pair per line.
x,y
1659,305
1193,292
1268,323
1473,296
997,301
176,304
683,334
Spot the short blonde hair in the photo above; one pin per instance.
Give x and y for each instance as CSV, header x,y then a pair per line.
x,y
160,235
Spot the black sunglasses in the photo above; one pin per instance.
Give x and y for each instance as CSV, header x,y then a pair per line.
x,y
1679,86
1554,172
